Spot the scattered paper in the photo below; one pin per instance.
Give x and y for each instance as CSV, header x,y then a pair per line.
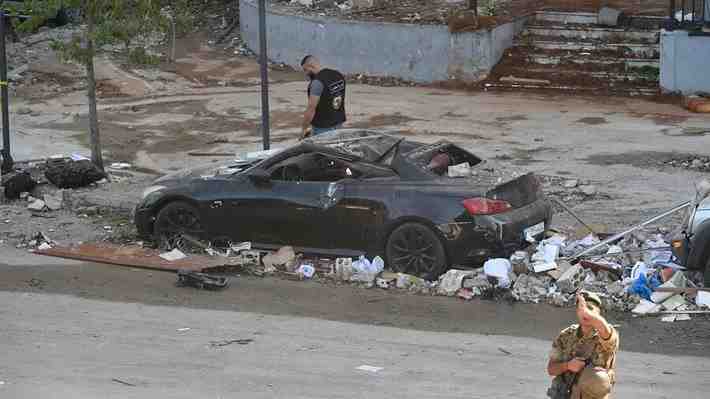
x,y
120,165
646,307
540,267
173,255
78,157
370,369
183,329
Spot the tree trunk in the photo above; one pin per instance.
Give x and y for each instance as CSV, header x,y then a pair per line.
x,y
473,5
94,138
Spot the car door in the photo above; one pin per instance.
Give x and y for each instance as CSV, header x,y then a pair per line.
x,y
228,209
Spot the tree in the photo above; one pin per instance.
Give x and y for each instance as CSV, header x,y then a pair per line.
x,y
104,22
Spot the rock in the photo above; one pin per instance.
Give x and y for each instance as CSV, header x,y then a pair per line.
x,y
478,281
284,258
615,289
54,202
571,279
571,183
89,211
589,190
697,164
451,281
528,288
37,206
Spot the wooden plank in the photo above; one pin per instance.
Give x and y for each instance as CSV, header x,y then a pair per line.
x,y
132,256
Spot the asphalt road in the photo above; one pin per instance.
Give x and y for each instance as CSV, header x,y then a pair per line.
x,y
72,330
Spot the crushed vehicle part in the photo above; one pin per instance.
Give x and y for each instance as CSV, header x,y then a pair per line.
x,y
72,174
189,278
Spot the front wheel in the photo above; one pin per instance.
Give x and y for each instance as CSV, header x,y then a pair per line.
x,y
706,275
175,220
414,248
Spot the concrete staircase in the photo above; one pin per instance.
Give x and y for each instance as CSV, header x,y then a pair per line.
x,y
569,52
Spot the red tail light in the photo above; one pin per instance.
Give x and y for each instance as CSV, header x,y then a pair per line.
x,y
485,206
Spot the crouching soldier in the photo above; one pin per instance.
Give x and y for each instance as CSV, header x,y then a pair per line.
x,y
583,355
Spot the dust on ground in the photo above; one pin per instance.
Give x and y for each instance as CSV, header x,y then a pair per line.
x,y
350,304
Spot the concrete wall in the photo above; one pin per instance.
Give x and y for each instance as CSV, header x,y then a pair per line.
x,y
420,53
685,62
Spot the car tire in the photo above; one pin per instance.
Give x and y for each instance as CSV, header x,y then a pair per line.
x,y
706,275
414,248
175,220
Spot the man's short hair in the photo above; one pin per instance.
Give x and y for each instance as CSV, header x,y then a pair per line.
x,y
305,59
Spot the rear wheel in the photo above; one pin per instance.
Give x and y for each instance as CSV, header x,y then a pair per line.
x,y
175,220
414,248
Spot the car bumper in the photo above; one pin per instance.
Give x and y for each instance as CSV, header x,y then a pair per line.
x,y
472,243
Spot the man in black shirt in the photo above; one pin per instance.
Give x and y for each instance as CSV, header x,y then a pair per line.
x,y
326,98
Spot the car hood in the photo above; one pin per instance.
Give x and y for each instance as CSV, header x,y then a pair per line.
x,y
205,172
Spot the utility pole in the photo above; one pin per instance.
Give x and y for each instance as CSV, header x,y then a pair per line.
x,y
6,156
263,64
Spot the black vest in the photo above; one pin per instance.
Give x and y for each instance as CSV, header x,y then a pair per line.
x,y
330,111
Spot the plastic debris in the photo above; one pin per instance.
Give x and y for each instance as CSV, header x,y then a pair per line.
x,y
306,271
703,299
500,269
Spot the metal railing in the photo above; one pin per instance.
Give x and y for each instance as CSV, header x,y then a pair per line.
x,y
690,14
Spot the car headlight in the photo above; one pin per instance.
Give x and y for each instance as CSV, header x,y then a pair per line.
x,y
150,190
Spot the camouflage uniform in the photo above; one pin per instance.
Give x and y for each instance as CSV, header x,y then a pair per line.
x,y
597,351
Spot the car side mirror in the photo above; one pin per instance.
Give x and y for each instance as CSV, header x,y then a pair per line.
x,y
260,177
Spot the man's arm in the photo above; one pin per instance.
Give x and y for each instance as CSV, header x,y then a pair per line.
x,y
310,113
596,320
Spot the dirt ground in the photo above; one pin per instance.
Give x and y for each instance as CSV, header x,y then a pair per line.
x,y
619,149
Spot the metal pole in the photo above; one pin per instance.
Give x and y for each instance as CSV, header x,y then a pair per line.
x,y
7,158
263,64
630,230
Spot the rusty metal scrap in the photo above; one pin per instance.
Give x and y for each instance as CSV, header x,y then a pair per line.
x,y
132,256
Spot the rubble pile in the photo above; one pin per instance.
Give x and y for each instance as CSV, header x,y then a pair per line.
x,y
699,163
635,275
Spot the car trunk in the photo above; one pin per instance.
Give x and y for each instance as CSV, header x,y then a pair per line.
x,y
497,181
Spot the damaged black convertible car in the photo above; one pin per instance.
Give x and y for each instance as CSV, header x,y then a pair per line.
x,y
356,192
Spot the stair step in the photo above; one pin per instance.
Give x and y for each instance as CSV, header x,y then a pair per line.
x,y
576,59
550,73
567,17
636,50
628,91
586,32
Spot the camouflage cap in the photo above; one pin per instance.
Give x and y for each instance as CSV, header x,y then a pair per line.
x,y
592,297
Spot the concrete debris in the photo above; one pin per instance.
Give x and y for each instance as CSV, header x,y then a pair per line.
x,y
677,281
571,183
530,288
37,206
520,262
54,201
674,302
646,307
254,258
451,281
571,280
284,259
589,190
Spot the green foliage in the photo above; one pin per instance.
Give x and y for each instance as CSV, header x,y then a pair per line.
x,y
115,21
138,56
490,7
